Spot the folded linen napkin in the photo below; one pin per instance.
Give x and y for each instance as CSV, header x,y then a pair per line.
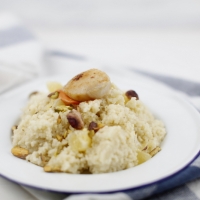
x,y
21,55
21,60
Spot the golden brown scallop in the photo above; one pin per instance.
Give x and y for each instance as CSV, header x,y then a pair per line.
x,y
88,85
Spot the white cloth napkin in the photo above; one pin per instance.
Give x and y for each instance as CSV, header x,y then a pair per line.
x,y
21,55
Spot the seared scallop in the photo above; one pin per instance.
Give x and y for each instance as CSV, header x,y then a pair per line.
x,y
88,85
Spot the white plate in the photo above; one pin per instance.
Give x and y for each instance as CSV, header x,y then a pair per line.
x,y
179,148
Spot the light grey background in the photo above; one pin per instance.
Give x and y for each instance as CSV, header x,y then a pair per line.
x,y
106,13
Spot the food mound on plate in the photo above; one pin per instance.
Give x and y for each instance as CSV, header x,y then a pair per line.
x,y
87,126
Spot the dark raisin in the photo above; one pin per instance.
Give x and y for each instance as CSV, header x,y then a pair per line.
x,y
132,93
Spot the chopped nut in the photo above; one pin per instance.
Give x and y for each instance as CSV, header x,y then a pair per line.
x,y
144,149
62,108
155,151
95,126
75,120
19,152
76,107
132,93
50,169
59,138
59,120
47,168
54,95
33,93
100,125
43,158
65,134
14,128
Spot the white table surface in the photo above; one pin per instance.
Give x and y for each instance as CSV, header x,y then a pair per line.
x,y
172,52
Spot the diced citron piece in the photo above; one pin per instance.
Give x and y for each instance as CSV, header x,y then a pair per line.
x,y
142,157
53,86
58,102
79,140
